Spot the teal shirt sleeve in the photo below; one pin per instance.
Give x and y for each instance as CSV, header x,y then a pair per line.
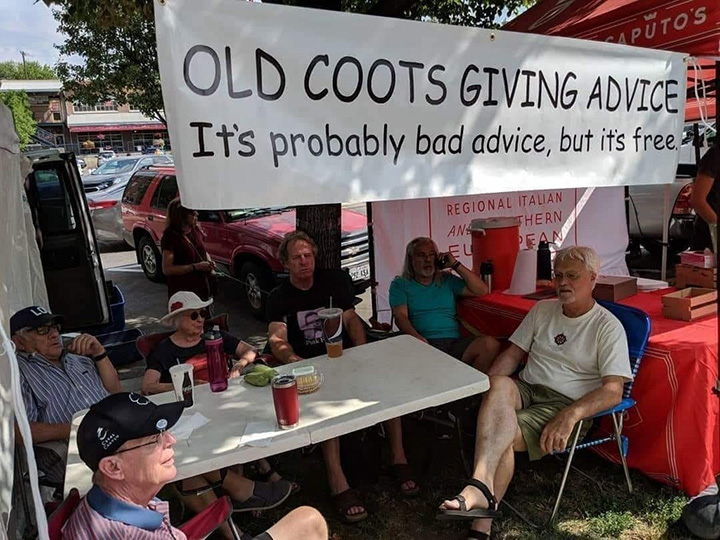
x,y
456,284
398,293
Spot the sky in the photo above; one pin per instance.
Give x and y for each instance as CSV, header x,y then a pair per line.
x,y
28,26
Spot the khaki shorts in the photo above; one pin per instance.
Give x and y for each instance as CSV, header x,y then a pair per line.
x,y
540,405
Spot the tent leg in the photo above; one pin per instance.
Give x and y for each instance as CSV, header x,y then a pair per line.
x,y
666,227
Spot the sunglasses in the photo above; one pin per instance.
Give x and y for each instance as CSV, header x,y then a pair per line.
x,y
202,313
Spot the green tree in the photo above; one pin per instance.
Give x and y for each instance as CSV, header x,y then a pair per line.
x,y
28,70
116,40
19,105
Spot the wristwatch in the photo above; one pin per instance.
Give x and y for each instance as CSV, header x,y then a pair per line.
x,y
456,265
99,357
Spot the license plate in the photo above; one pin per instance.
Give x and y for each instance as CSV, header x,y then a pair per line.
x,y
360,273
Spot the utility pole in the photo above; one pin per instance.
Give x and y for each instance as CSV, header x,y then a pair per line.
x,y
24,54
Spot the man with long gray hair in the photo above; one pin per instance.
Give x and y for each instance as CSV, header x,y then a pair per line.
x,y
423,302
577,365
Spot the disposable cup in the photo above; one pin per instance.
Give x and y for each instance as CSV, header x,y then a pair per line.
x,y
332,331
184,386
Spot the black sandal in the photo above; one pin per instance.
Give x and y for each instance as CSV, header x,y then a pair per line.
x,y
266,495
474,513
265,477
476,535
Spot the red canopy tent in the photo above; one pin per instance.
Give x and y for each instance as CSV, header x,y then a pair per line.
x,y
689,26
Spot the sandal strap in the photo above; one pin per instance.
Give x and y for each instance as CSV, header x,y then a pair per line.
x,y
492,502
463,503
265,477
477,535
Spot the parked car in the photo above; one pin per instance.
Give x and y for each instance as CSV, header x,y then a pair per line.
x,y
243,242
645,203
104,188
646,220
105,155
70,258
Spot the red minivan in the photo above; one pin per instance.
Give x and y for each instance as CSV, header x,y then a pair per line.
x,y
243,242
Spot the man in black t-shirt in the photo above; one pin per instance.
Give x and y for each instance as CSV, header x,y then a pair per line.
x,y
295,334
706,192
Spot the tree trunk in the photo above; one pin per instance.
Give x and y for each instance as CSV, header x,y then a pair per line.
x,y
322,222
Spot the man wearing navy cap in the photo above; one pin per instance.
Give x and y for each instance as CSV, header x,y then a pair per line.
x,y
57,382
125,440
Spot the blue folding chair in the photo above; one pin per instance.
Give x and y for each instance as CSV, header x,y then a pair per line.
x,y
637,328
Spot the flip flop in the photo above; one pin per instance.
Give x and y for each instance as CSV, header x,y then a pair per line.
x,y
474,535
474,513
266,495
403,473
344,501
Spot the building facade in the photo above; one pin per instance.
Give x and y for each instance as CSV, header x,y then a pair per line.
x,y
84,128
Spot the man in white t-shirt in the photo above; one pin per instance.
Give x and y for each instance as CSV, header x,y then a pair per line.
x,y
578,362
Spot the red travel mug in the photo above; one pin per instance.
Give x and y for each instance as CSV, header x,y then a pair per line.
x,y
285,399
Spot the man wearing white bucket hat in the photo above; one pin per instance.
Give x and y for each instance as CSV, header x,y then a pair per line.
x,y
187,313
423,303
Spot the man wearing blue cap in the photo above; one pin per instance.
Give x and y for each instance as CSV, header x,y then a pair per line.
x,y
57,382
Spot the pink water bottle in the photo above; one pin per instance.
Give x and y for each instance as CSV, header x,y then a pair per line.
x,y
217,365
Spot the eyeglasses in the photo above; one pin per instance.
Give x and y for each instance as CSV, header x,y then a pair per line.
x,y
156,440
571,276
45,330
202,313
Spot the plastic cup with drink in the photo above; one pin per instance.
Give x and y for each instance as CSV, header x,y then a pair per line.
x,y
182,379
332,330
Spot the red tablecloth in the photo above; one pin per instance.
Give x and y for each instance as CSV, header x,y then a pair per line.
x,y
674,431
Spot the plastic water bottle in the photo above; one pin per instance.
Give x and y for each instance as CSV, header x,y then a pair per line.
x,y
217,365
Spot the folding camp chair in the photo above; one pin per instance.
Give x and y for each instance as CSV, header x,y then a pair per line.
x,y
200,526
637,328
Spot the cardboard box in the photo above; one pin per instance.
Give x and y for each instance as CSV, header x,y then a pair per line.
x,y
689,304
698,258
614,288
693,276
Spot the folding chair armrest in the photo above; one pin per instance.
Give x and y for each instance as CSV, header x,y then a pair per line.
x,y
624,405
208,520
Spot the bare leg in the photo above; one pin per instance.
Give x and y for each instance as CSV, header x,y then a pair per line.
x,y
303,522
198,503
237,486
336,477
497,433
481,352
397,451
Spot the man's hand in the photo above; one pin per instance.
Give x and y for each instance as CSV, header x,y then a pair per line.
x,y
86,345
555,436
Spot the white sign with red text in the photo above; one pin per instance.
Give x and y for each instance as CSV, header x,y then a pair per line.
x,y
592,217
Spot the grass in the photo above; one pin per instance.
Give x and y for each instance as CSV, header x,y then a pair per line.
x,y
589,510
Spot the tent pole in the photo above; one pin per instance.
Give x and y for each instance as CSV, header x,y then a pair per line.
x,y
717,199
371,246
666,221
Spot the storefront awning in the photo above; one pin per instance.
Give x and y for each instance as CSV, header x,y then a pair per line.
x,y
152,126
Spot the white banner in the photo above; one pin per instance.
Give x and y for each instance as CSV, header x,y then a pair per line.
x,y
271,105
583,217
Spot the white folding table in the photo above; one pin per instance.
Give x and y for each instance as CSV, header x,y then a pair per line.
x,y
369,384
